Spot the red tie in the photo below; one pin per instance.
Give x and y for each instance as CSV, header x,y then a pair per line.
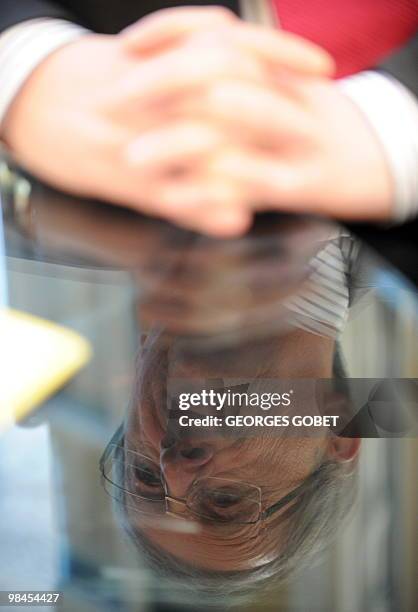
x,y
358,33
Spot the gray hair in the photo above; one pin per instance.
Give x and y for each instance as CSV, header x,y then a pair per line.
x,y
318,517
315,521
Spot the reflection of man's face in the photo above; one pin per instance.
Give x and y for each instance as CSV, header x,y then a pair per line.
x,y
276,465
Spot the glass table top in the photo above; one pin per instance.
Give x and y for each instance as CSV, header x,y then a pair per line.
x,y
244,435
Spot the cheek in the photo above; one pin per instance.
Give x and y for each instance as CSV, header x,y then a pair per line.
x,y
151,428
293,458
144,429
309,453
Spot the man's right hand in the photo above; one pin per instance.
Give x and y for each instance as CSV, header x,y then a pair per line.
x,y
76,120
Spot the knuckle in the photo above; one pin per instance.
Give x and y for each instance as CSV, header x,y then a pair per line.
x,y
210,56
223,13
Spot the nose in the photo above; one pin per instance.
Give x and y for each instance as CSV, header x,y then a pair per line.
x,y
181,463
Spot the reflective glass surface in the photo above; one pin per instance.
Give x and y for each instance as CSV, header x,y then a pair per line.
x,y
146,482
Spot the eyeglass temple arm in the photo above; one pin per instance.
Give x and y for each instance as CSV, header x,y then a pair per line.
x,y
285,500
115,439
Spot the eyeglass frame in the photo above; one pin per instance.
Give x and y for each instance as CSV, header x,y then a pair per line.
x,y
118,441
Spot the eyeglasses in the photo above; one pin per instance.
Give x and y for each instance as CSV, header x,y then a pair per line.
x,y
213,499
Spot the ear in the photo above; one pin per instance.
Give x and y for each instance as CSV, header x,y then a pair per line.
x,y
343,449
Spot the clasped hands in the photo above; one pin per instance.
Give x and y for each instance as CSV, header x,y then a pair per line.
x,y
199,118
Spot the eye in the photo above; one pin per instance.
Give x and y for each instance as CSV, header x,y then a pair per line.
x,y
147,475
144,479
223,499
220,504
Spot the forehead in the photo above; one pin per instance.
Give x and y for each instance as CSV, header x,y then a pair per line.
x,y
210,551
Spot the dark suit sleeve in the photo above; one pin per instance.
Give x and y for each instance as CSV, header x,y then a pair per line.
x,y
13,12
105,16
399,243
403,65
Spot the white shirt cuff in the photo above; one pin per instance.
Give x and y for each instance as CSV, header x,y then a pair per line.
x,y
393,113
22,49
